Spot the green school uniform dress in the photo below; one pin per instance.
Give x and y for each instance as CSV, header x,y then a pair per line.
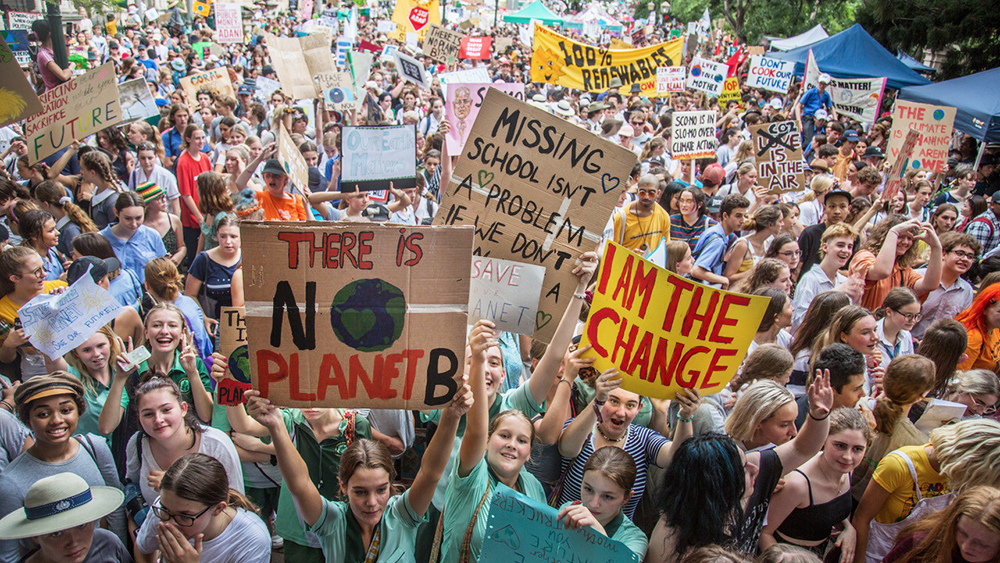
x,y
622,529
323,461
340,534
95,403
179,376
464,496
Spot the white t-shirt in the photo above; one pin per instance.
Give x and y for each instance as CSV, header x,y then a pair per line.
x,y
245,540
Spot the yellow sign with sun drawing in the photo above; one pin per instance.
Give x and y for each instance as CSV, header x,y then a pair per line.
x,y
56,324
17,98
559,60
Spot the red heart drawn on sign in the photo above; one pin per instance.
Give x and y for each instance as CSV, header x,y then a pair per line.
x,y
418,17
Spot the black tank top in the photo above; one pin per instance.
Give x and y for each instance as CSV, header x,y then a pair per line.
x,y
816,521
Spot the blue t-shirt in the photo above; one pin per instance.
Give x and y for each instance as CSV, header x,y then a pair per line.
x,y
711,249
217,280
145,245
813,100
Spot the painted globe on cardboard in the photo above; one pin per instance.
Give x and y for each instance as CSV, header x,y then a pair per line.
x,y
368,315
239,364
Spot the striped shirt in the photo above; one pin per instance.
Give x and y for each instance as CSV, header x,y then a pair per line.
x,y
642,444
679,230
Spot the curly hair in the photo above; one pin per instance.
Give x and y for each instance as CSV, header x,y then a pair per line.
x,y
877,238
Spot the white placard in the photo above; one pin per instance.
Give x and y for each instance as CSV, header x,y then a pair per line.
x,y
506,293
770,74
477,75
411,69
229,22
386,26
693,134
375,156
707,76
670,79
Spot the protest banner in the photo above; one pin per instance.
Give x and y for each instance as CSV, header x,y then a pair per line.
x,y
386,27
360,315
557,59
770,74
858,98
707,76
369,47
292,160
934,123
619,44
472,76
17,97
461,106
338,90
442,45
688,336
475,48
505,293
73,110
529,528
136,100
375,156
215,81
229,22
902,162
693,134
411,69
17,42
414,16
58,323
670,79
778,150
298,60
22,20
361,66
233,345
730,92
539,190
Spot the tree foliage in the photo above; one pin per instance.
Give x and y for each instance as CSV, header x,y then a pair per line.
x,y
967,31
751,20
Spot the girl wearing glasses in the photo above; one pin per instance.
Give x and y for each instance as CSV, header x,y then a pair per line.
x,y
198,517
899,312
977,389
22,278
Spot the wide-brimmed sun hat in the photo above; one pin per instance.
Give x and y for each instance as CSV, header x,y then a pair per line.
x,y
57,503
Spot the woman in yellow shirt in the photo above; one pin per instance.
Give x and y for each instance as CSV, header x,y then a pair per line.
x,y
22,278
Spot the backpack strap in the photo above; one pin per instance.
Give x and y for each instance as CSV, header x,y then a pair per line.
x,y
88,446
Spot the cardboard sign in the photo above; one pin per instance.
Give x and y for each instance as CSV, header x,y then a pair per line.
x,y
934,123
472,76
539,190
22,20
136,100
298,60
292,161
730,91
476,48
502,44
518,524
707,76
358,315
17,42
56,324
557,59
693,135
375,156
859,98
233,345
414,16
670,79
461,106
411,69
215,81
506,293
17,98
663,332
229,22
903,155
778,150
770,74
755,50
338,90
73,110
442,45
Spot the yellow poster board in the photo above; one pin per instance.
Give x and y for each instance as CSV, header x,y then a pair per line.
x,y
414,16
557,59
663,332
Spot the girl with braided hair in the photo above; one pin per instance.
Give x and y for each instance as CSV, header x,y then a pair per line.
x,y
95,168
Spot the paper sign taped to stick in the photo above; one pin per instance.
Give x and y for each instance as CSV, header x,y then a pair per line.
x,y
539,190
670,79
529,528
233,345
292,160
506,293
778,150
895,177
17,98
56,324
442,44
136,100
707,76
215,81
664,333
770,74
229,22
359,315
360,65
462,103
73,110
693,134
375,156
934,123
298,60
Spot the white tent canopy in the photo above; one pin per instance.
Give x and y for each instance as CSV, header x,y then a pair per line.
x,y
808,38
594,12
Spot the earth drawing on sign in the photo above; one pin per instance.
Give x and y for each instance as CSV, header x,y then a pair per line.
x,y
368,315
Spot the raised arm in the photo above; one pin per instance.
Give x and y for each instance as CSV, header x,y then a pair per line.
x,y
189,361
548,428
573,437
882,268
237,414
436,455
482,338
251,167
401,200
814,430
112,411
689,400
932,279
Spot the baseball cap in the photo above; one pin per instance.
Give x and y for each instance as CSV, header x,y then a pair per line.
x,y
274,166
714,205
244,90
713,175
821,114
825,78
835,192
851,136
873,152
98,268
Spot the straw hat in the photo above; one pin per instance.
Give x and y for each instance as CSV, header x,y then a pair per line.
x,y
57,503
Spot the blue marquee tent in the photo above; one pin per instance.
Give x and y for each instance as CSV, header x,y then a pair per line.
x,y
975,97
853,53
915,64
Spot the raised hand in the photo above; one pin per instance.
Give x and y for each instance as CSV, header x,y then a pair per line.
x,y
463,399
689,401
586,267
219,362
261,410
482,337
188,357
606,383
174,547
820,395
